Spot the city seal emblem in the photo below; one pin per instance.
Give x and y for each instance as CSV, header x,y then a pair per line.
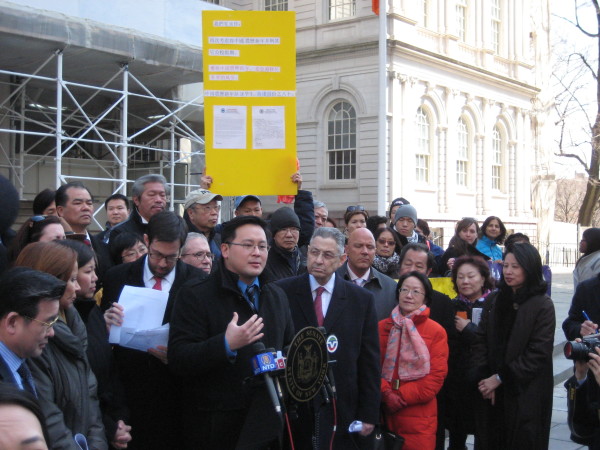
x,y
306,364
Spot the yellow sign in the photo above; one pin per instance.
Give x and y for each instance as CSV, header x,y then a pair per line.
x,y
250,101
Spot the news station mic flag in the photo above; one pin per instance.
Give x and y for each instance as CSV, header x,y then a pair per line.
x,y
263,425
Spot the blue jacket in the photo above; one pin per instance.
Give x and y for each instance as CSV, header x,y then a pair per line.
x,y
489,248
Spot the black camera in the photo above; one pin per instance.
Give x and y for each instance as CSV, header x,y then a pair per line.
x,y
579,351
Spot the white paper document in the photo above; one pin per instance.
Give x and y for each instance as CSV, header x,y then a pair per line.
x,y
268,127
229,126
142,327
476,315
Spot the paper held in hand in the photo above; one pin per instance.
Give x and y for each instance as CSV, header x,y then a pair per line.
x,y
142,326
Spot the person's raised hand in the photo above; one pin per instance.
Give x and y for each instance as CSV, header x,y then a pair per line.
x,y
239,336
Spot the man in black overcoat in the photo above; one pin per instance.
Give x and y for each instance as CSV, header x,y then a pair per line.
x,y
320,298
152,392
214,324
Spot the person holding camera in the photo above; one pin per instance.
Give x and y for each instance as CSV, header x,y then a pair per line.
x,y
584,397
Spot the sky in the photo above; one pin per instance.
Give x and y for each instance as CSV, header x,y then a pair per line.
x,y
567,39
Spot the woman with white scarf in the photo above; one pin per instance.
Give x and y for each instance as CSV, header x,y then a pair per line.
x,y
414,352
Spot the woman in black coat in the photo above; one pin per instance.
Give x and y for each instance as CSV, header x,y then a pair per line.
x,y
512,356
111,394
472,280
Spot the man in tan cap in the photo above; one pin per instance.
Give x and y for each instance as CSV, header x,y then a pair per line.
x,y
202,209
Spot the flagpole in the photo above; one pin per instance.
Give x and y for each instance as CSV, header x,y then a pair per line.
x,y
382,166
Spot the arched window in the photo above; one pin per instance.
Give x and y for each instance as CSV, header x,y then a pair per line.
x,y
341,142
498,145
424,141
463,153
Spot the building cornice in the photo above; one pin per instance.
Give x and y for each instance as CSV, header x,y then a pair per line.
x,y
422,55
340,51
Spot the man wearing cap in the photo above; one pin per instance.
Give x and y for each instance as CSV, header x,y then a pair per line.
x,y
284,258
250,205
396,203
405,222
202,209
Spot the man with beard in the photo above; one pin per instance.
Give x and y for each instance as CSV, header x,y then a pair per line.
x,y
152,392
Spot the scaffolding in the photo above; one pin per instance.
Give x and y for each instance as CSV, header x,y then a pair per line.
x,y
115,107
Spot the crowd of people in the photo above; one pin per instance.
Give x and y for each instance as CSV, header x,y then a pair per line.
x,y
409,359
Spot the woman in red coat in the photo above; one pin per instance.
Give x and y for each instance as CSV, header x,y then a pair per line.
x,y
414,357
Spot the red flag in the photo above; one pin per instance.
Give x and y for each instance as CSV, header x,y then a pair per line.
x,y
375,6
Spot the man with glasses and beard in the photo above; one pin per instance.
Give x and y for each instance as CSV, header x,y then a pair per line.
x,y
215,322
152,392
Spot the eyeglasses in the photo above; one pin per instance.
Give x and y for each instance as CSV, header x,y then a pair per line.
x,y
386,242
315,253
157,256
201,255
135,253
355,208
37,218
263,248
208,208
414,292
48,325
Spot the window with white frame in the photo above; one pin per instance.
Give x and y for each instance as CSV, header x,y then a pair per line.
x,y
497,159
461,19
341,142
496,15
276,5
463,151
341,9
422,157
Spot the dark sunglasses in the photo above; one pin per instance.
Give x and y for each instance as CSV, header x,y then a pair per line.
x,y
355,208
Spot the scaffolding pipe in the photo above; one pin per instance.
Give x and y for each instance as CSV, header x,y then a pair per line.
x,y
172,196
59,75
124,139
22,147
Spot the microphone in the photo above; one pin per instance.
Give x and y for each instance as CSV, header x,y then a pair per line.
x,y
264,362
329,380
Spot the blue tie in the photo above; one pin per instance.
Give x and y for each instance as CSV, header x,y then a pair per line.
x,y
251,295
27,379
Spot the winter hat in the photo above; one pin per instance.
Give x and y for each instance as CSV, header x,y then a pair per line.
x,y
406,211
284,218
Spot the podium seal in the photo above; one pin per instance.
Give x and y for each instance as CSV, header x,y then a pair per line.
x,y
306,364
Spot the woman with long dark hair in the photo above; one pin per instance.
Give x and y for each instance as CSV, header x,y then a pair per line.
x,y
64,381
36,229
588,265
512,357
491,235
464,242
111,394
